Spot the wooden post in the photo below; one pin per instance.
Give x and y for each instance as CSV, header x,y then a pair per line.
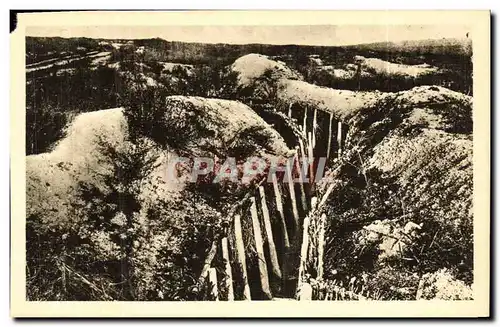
x,y
293,198
303,251
339,138
302,178
314,128
279,207
304,125
329,137
321,245
212,277
264,278
303,154
319,169
269,233
240,256
229,274
290,110
208,262
310,154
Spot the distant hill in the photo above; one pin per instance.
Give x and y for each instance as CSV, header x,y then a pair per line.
x,y
439,47
189,52
45,48
462,47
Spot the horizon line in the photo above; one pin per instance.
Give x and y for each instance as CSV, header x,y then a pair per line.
x,y
251,43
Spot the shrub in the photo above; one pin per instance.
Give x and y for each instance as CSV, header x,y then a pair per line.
x,y
44,126
123,246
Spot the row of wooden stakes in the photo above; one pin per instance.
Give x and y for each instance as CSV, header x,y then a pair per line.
x,y
259,236
312,137
304,152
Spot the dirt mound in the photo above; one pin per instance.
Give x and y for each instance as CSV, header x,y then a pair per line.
x,y
382,67
253,66
209,126
342,103
261,74
431,94
424,131
408,163
346,103
216,126
52,178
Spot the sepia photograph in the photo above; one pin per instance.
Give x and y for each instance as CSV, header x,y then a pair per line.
x,y
316,164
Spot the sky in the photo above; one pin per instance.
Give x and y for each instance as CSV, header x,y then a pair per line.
x,y
329,35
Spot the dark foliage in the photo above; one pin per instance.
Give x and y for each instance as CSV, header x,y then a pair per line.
x,y
112,251
44,126
46,48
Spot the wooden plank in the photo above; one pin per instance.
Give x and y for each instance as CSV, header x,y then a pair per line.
x,y
304,124
212,277
240,256
310,154
339,138
327,194
208,262
303,251
329,137
291,190
315,117
229,274
264,278
279,207
301,177
321,245
319,169
273,256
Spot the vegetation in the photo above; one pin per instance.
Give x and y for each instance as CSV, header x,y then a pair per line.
x,y
119,245
393,230
382,264
395,233
55,96
38,49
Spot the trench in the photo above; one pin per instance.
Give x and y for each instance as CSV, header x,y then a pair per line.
x,y
271,229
